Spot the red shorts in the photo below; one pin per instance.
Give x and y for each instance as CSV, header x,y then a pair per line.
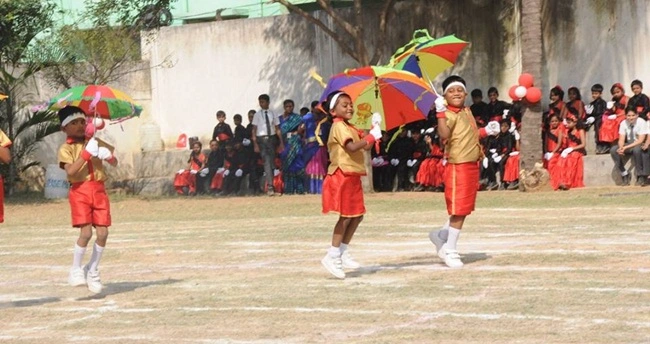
x,y
343,194
89,204
461,186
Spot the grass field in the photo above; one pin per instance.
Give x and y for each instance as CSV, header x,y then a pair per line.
x,y
550,267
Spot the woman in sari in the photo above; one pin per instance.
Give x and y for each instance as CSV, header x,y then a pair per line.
x,y
293,165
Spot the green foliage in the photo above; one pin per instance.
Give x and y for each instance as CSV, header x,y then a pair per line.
x,y
20,21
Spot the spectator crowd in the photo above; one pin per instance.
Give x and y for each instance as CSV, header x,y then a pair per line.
x,y
286,153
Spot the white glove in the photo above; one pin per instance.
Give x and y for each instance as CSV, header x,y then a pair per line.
x,y
611,117
441,104
517,136
410,162
394,162
589,109
239,172
513,127
221,170
429,131
276,172
498,159
375,161
92,147
564,122
566,152
181,171
104,153
548,155
485,162
204,172
246,142
590,120
194,171
380,160
505,113
444,162
226,173
610,104
375,132
493,150
493,128
376,120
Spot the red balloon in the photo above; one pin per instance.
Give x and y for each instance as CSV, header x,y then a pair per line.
x,y
533,95
511,92
527,80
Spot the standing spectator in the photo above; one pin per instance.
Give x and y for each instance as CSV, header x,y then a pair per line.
x,y
496,107
554,145
314,148
631,136
256,164
595,110
479,108
400,150
267,138
293,164
222,131
639,101
240,132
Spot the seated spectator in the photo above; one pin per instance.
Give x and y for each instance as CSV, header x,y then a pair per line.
x,y
571,165
632,133
554,145
236,167
431,175
381,166
214,165
614,116
185,179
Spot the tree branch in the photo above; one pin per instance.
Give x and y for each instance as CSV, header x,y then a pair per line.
x,y
383,26
295,9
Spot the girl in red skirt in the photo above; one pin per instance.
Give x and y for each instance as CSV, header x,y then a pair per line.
x,y
614,115
554,146
571,166
342,192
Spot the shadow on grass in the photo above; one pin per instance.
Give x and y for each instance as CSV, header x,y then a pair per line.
x,y
468,258
125,287
28,303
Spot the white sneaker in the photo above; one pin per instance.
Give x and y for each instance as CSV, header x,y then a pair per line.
x,y
452,259
435,238
348,262
334,266
94,282
76,277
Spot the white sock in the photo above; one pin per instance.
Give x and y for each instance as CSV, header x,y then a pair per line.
x,y
343,247
624,173
446,225
95,257
334,252
454,233
78,255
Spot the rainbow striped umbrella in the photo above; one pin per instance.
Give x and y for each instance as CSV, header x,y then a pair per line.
x,y
98,100
429,57
400,96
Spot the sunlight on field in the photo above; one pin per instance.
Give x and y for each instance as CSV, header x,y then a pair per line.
x,y
553,267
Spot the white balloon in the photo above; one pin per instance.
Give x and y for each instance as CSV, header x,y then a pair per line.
x,y
99,123
520,91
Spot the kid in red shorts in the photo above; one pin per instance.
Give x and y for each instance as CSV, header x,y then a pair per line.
x,y
82,159
457,125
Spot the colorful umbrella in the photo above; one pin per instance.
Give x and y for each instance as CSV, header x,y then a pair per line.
x,y
99,100
401,97
427,57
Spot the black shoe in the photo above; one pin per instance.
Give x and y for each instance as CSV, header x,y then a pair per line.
x,y
626,180
514,185
641,180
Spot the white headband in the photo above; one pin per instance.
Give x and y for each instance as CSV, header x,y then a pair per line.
x,y
455,83
72,117
334,99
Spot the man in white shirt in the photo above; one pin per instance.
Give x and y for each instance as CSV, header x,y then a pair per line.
x,y
631,137
266,138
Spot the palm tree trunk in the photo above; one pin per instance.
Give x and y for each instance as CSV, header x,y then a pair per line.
x,y
531,49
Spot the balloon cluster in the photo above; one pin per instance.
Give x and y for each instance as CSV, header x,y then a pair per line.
x,y
92,125
525,89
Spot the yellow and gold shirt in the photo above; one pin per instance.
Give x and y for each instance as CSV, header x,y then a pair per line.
x,y
463,143
71,150
340,134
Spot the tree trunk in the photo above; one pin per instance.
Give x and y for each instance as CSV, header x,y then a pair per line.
x,y
531,138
